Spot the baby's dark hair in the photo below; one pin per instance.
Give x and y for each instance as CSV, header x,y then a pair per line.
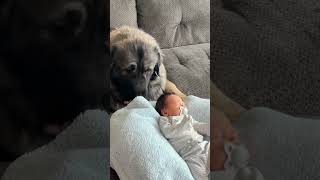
x,y
161,102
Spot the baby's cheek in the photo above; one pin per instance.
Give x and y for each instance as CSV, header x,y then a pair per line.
x,y
177,112
173,112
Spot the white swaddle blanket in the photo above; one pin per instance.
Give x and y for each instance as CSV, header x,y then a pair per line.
x,y
138,150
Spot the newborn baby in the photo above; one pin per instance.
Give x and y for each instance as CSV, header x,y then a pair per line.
x,y
229,161
182,131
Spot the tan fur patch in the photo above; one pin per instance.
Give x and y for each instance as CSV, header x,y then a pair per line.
x,y
124,34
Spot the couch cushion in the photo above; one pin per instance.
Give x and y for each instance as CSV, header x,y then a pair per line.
x,y
188,67
123,12
175,23
267,53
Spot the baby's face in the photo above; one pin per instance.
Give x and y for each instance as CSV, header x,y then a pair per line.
x,y
173,106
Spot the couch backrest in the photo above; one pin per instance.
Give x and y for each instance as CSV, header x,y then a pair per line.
x,y
172,22
123,12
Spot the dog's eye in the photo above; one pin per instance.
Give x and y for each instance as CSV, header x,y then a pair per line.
x,y
147,70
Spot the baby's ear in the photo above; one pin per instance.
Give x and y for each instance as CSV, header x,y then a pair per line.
x,y
164,112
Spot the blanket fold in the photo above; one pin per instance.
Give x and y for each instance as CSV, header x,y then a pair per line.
x,y
139,150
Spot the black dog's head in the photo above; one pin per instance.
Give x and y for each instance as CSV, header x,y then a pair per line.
x,y
44,24
135,71
54,54
56,49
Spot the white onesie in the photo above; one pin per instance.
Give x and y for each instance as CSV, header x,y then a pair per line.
x,y
182,133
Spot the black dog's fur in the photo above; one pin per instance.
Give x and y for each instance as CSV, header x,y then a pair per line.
x,y
52,67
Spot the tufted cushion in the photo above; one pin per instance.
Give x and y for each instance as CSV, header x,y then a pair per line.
x,y
174,22
188,67
123,12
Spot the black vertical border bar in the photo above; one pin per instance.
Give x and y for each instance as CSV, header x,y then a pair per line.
x,y
211,78
105,4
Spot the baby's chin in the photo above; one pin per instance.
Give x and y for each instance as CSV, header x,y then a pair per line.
x,y
174,114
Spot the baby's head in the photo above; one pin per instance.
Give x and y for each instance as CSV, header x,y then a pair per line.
x,y
169,104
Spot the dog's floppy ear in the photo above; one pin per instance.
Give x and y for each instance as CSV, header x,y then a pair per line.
x,y
156,71
159,52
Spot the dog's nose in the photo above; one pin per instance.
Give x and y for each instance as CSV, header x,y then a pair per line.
x,y
132,67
